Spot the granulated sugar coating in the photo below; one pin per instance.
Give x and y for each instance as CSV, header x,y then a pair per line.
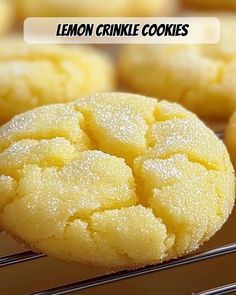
x,y
117,180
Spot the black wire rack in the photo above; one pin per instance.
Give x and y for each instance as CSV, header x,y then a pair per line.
x,y
124,275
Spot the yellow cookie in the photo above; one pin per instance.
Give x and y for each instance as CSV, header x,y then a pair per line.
x,y
6,12
230,138
117,180
85,8
37,75
200,77
212,4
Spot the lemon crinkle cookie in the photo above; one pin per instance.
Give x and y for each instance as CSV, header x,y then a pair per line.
x,y
119,180
200,77
6,16
34,75
102,8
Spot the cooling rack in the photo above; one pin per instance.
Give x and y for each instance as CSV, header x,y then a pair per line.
x,y
105,279
220,251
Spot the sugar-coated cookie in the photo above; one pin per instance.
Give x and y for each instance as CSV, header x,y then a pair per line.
x,y
6,16
230,138
34,75
117,180
91,8
200,77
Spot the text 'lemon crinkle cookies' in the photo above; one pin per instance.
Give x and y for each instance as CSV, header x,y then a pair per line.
x,y
230,138
6,16
117,180
34,75
92,8
200,77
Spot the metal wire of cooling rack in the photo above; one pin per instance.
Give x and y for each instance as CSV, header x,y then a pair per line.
x,y
219,291
123,275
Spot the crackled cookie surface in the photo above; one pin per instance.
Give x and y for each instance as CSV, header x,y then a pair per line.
x,y
200,77
230,138
117,180
91,8
6,12
37,75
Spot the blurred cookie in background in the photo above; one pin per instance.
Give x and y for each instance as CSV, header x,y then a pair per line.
x,y
200,77
6,16
37,75
90,8
211,4
230,138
